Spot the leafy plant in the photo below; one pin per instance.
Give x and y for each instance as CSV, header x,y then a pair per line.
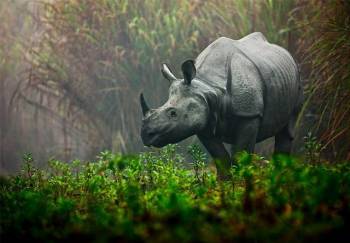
x,y
199,158
313,148
152,197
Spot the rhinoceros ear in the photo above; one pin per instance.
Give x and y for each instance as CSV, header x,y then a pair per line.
x,y
189,71
167,73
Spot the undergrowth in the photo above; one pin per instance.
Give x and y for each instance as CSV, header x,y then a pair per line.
x,y
154,197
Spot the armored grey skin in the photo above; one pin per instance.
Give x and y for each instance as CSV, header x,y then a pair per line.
x,y
238,92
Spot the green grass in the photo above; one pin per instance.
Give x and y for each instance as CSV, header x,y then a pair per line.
x,y
154,197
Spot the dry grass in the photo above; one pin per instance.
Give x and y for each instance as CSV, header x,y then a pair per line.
x,y
94,57
325,44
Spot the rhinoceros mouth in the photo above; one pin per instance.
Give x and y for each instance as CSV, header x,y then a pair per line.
x,y
150,141
159,140
150,138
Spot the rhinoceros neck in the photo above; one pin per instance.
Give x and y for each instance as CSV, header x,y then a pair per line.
x,y
217,102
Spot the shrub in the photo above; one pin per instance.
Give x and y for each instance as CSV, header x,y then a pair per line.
x,y
152,197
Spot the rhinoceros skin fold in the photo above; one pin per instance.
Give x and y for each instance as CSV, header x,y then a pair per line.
x,y
238,92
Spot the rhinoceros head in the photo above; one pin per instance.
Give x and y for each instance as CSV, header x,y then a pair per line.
x,y
184,114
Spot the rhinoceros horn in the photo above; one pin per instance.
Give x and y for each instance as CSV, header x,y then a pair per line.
x,y
167,73
144,105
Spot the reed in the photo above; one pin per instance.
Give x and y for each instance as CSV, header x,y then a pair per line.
x,y
325,44
94,57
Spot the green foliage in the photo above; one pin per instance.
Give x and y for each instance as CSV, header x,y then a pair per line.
x,y
153,197
198,157
313,148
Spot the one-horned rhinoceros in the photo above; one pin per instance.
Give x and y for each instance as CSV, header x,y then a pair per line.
x,y
238,92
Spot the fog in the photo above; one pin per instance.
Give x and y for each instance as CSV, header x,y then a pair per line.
x,y
71,71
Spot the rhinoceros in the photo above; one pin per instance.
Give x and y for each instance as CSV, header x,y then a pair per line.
x,y
238,92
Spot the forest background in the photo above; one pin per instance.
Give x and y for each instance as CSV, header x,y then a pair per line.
x,y
71,70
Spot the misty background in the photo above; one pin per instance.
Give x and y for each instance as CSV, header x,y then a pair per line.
x,y
71,70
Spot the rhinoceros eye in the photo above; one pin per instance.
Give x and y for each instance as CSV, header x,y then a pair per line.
x,y
172,113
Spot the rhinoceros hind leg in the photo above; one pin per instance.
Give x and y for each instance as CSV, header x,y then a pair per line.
x,y
283,141
284,138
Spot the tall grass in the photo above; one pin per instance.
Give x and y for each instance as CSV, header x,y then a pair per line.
x,y
325,43
237,18
94,57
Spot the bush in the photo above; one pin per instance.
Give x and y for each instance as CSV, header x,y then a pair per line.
x,y
152,197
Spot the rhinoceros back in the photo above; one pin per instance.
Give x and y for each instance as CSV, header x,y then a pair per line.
x,y
277,70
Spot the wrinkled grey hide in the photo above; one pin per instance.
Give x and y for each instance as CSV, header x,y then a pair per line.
x,y
237,91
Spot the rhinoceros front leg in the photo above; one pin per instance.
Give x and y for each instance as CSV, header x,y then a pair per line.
x,y
245,134
220,155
